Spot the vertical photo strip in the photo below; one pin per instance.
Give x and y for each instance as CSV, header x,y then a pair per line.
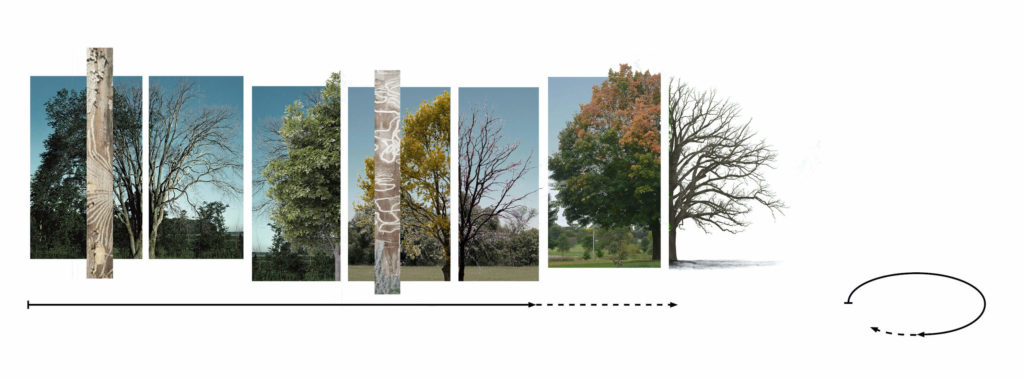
x,y
296,182
195,160
422,183
604,169
58,167
498,187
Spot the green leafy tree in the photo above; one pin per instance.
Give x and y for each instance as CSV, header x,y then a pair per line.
x,y
283,259
57,188
305,183
607,169
564,244
425,182
58,185
619,242
211,228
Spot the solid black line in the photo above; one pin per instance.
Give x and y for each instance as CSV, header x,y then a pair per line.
x,y
984,302
30,305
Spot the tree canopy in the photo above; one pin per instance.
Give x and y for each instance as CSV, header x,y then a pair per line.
x,y
425,181
607,167
57,188
716,164
305,183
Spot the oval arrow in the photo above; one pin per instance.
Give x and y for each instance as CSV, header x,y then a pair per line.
x,y
984,303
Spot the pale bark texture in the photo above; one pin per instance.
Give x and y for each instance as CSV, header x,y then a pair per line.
x,y
387,195
99,118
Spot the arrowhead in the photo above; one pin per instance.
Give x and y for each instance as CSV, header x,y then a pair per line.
x,y
670,305
921,334
530,305
875,329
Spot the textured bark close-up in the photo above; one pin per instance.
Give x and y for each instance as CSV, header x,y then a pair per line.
x,y
99,117
387,196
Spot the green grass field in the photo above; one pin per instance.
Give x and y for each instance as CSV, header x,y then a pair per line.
x,y
433,273
574,258
604,263
502,273
409,273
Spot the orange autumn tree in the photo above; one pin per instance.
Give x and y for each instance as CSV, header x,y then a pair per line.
x,y
607,165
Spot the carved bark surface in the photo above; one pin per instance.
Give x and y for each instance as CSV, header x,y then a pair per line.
x,y
387,195
99,134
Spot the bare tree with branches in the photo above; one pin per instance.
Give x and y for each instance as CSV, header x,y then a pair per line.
x,y
188,147
717,164
128,164
487,172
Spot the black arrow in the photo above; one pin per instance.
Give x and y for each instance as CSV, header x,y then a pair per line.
x,y
875,328
29,304
984,303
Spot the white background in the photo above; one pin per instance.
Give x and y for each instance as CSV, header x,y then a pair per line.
x,y
898,129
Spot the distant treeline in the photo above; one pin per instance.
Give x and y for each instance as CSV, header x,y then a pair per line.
x,y
287,262
202,237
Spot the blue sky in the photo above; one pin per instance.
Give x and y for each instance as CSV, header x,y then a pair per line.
x,y
360,129
268,105
518,110
42,88
214,91
565,95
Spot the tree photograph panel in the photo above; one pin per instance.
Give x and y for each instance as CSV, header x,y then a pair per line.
x,y
498,184
717,172
58,182
296,182
195,167
604,170
425,189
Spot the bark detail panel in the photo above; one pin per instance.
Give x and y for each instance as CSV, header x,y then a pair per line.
x,y
387,195
99,195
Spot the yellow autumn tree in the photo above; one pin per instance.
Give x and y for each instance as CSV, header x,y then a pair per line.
x,y
425,178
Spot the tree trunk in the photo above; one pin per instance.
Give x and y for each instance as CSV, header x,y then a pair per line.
x,y
387,181
462,260
152,240
656,241
446,268
137,247
337,262
99,121
672,245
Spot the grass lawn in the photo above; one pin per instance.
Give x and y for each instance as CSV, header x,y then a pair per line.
x,y
574,258
409,273
433,273
501,273
604,263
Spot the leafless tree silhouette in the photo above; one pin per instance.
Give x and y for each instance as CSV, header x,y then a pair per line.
x,y
717,164
486,172
128,166
188,147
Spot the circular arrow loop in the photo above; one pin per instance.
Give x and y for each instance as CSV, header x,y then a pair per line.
x,y
984,302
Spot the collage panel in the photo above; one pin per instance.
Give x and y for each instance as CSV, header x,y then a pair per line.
x,y
296,182
425,184
195,160
58,167
498,185
604,170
